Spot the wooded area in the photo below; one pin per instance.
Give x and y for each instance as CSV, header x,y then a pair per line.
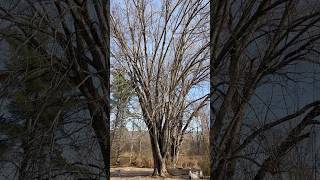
x,y
86,86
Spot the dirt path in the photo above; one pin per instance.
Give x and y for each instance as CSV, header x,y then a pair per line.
x,y
144,174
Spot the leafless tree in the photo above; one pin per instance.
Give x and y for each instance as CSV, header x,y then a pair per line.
x,y
77,46
254,43
164,48
179,131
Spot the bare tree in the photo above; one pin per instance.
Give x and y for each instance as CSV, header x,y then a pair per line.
x,y
164,48
77,46
253,43
37,123
179,131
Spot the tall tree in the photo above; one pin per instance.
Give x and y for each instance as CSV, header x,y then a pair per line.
x,y
163,46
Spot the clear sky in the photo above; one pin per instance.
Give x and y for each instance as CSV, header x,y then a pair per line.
x,y
196,92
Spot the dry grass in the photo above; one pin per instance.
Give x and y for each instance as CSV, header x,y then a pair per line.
x,y
145,173
147,162
142,168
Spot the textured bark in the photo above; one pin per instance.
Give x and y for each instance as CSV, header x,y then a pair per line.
x,y
159,158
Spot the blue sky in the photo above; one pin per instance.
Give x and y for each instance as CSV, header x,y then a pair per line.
x,y
196,92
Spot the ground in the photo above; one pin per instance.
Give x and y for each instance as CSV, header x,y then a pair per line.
x,y
145,173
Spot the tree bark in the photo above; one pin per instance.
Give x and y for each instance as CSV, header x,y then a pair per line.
x,y
102,132
159,156
175,150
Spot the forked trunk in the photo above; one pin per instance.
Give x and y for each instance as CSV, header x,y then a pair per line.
x,y
159,167
159,159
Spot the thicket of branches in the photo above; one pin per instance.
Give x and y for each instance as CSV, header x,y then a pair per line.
x,y
70,45
164,51
262,57
261,48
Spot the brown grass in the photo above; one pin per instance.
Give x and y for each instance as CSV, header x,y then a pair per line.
x,y
146,173
142,167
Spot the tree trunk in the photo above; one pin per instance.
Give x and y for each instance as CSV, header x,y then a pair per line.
x,y
102,131
159,158
131,144
174,152
159,166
